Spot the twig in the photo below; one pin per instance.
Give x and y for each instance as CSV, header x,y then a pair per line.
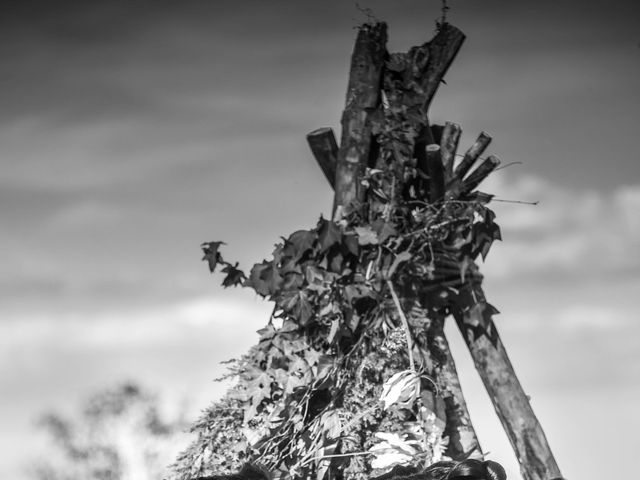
x,y
508,165
515,201
335,455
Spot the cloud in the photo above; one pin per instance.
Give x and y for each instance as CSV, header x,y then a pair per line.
x,y
227,319
570,233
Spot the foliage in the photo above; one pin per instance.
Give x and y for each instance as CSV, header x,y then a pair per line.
x,y
119,435
311,387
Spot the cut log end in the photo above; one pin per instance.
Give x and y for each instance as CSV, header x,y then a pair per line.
x,y
474,152
322,143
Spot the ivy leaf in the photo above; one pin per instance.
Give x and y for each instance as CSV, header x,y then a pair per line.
x,y
329,234
485,232
384,229
366,236
234,277
351,244
315,277
258,388
335,260
360,297
267,333
298,244
293,280
325,365
312,356
264,279
298,306
211,254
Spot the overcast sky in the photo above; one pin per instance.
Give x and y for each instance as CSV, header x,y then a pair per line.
x,y
132,131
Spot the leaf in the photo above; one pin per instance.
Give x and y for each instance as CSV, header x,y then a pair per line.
x,y
315,278
264,279
335,327
267,333
293,280
336,261
312,356
211,254
298,244
351,244
402,389
329,234
258,388
234,276
331,424
393,450
366,236
384,229
297,305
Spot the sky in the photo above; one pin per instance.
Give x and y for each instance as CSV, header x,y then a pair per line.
x,y
132,131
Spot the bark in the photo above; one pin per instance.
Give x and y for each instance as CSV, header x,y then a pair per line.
x,y
325,150
439,53
479,174
363,97
435,171
463,441
472,155
449,147
509,399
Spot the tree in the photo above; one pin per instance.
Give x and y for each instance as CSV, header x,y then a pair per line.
x,y
119,435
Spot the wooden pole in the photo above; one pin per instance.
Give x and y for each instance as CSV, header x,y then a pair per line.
x,y
363,97
449,147
325,150
479,174
509,399
463,441
435,170
472,155
438,55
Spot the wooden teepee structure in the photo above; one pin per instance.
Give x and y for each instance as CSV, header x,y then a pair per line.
x,y
353,372
387,111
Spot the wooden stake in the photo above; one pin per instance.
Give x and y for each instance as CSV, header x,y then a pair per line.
x,y
449,147
325,150
509,400
479,174
472,155
435,171
438,54
363,96
463,441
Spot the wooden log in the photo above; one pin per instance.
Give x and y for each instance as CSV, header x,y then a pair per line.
x,y
363,97
479,174
436,133
509,400
449,147
472,155
440,52
325,150
463,441
435,170
424,138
